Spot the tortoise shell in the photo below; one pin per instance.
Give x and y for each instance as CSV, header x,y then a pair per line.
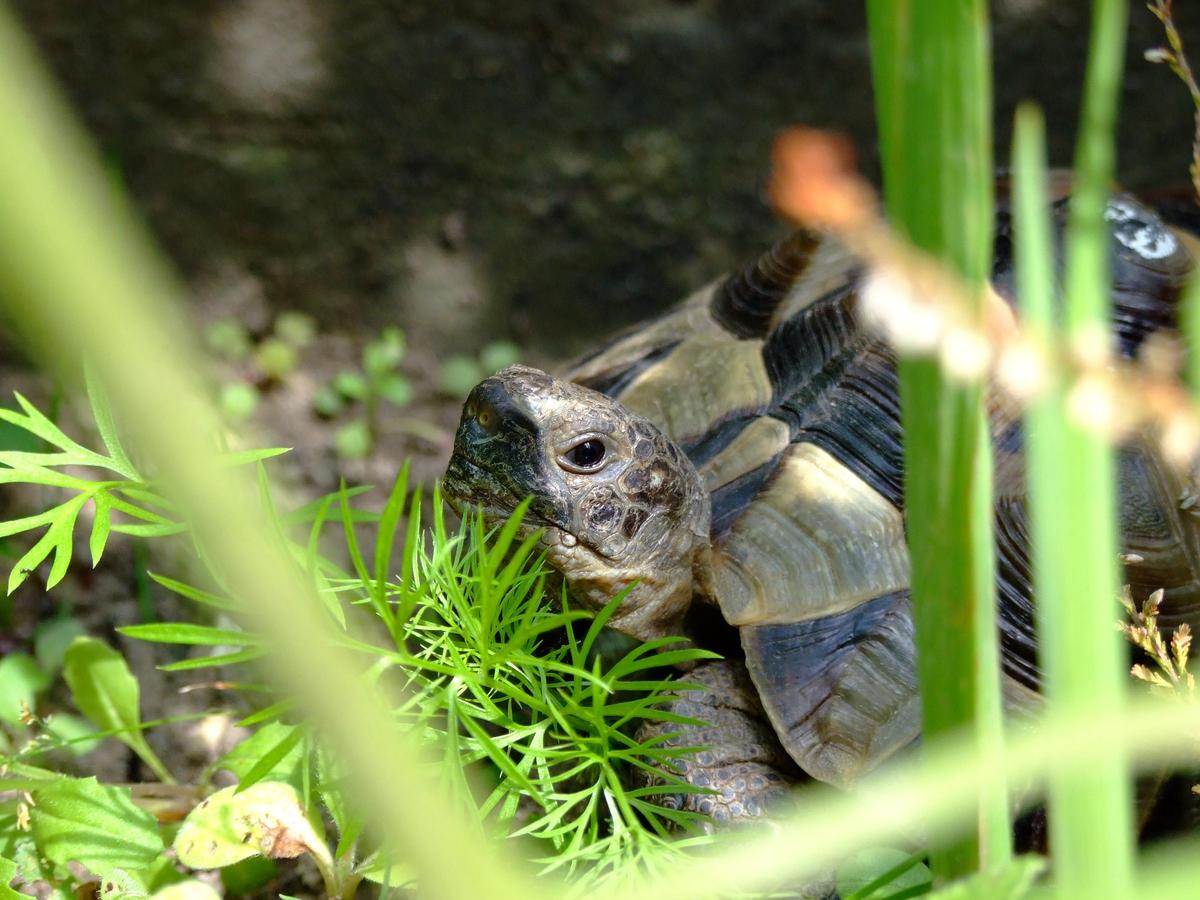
x,y
788,408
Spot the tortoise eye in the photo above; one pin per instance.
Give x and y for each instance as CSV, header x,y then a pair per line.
x,y
586,455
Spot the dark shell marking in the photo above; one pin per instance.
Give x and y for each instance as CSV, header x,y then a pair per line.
x,y
760,467
834,386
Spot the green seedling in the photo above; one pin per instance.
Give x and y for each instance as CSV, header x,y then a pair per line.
x,y
267,361
461,372
366,389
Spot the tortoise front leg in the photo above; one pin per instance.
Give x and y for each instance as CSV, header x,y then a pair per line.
x,y
743,761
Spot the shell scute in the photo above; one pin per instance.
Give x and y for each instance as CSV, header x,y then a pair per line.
x,y
789,411
815,542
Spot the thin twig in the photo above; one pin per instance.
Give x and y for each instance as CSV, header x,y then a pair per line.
x,y
1177,60
921,308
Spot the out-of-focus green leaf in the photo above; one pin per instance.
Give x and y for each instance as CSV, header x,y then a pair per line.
x,y
350,384
107,693
186,890
96,825
383,355
187,633
297,328
237,401
395,389
8,871
376,868
21,680
458,374
498,355
228,339
266,744
1010,882
74,731
266,819
353,440
248,876
275,358
327,402
877,872
51,640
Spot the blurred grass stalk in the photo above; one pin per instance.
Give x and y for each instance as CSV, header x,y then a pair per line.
x,y
931,67
79,277
1072,479
934,792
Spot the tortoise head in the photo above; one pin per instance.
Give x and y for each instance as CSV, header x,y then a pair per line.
x,y
621,506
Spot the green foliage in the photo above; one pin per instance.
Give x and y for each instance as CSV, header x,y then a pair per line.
x,y
24,680
96,825
528,727
262,363
378,381
460,372
876,873
935,127
51,640
21,680
106,692
8,872
238,401
1073,520
1015,880
265,819
130,503
129,494
228,339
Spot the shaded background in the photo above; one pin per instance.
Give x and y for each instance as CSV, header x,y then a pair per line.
x,y
467,170
537,170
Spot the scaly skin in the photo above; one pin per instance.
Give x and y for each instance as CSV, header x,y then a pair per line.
x,y
744,763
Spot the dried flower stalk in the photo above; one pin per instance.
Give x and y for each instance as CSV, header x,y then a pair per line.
x,y
1177,60
920,307
1171,660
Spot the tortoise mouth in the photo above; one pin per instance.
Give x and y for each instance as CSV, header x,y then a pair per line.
x,y
467,484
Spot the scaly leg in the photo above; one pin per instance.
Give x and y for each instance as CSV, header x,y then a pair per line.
x,y
744,761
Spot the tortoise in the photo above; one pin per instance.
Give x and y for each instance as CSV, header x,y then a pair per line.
x,y
736,464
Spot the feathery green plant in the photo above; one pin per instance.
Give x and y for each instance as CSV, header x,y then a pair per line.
x,y
528,728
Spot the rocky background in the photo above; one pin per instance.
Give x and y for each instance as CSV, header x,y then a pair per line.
x,y
542,171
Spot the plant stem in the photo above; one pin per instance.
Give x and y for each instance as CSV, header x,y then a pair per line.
x,y
930,62
1073,502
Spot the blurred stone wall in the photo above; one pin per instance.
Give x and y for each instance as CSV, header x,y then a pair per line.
x,y
542,170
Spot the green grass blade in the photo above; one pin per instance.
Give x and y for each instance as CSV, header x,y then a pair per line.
x,y
1073,478
103,415
930,63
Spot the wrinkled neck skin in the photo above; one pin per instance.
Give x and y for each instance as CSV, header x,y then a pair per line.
x,y
664,569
